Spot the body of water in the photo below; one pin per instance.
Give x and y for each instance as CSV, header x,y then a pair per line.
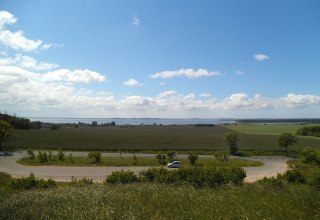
x,y
137,121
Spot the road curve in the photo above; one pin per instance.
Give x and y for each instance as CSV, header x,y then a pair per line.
x,y
272,166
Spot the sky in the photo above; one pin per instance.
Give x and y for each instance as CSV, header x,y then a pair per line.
x,y
161,59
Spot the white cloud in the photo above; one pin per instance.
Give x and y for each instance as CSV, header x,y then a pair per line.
x,y
27,62
17,40
189,73
239,72
298,100
75,76
261,57
136,21
205,95
132,83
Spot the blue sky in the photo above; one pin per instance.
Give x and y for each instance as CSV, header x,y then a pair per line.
x,y
203,59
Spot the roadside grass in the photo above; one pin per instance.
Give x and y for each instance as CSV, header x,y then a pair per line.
x,y
141,161
158,138
158,201
5,180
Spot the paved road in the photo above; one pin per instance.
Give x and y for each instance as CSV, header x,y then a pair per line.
x,y
272,166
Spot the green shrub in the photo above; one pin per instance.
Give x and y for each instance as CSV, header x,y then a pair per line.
x,y
171,154
42,156
31,154
310,156
193,157
154,174
60,155
31,182
315,179
272,181
221,156
162,159
81,182
294,176
121,177
95,155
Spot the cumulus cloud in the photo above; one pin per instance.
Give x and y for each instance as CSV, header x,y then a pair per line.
x,y
205,95
17,40
189,73
75,76
27,62
132,83
298,100
261,57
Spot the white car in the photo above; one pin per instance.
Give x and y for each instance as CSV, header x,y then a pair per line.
x,y
174,164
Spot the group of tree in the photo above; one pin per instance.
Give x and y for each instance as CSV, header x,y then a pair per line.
x,y
16,122
309,131
285,140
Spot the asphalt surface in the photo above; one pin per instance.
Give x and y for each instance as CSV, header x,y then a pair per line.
x,y
272,166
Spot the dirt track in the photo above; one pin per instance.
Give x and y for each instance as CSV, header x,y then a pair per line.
x,y
272,166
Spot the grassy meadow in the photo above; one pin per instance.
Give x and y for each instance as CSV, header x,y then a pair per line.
x,y
157,201
140,161
154,138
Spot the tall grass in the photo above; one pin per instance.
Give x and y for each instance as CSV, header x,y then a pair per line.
x,y
150,201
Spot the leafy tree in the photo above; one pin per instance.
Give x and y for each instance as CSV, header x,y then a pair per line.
x,y
96,155
171,154
161,158
231,138
6,132
285,140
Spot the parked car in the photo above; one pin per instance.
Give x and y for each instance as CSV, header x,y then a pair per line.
x,y
175,164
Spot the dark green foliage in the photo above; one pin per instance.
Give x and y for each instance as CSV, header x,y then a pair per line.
x,y
196,176
285,140
171,154
96,156
162,158
6,132
221,156
205,125
30,154
310,156
60,155
315,179
309,131
31,182
294,176
192,157
42,156
231,139
16,122
54,127
122,177
81,182
271,181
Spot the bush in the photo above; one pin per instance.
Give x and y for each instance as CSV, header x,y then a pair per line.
x,y
154,174
192,158
272,181
42,156
31,154
31,182
294,176
60,155
122,177
161,158
315,180
221,156
96,156
310,156
171,154
54,127
81,182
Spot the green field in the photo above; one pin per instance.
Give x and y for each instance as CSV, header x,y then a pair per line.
x,y
141,161
148,138
157,201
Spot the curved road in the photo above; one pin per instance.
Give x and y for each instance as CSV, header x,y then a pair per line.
x,y
272,166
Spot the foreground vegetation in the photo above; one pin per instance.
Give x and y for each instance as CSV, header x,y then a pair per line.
x,y
156,138
157,201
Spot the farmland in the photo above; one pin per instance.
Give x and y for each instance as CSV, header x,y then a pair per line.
x,y
154,138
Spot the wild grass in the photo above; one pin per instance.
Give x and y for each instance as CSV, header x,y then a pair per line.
x,y
155,138
5,180
156,201
140,161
